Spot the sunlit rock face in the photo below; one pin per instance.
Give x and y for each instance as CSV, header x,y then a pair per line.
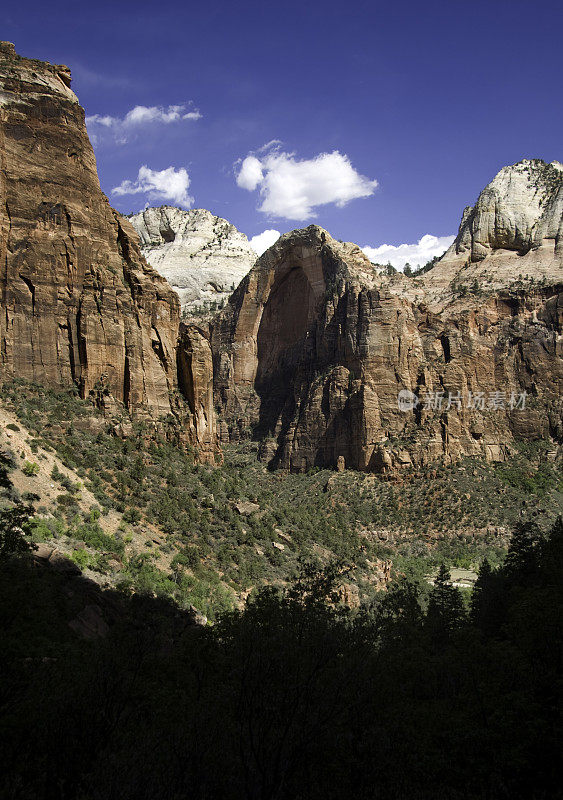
x,y
519,210
80,305
315,345
203,257
514,230
313,348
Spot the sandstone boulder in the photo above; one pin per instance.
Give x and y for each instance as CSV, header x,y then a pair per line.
x,y
89,623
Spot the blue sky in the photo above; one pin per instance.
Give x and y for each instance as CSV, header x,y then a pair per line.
x,y
398,113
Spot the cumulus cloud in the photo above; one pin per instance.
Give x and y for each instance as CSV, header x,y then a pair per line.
x,y
414,254
262,241
292,188
122,127
250,173
98,119
165,185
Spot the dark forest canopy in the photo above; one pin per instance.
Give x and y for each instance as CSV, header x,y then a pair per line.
x,y
293,697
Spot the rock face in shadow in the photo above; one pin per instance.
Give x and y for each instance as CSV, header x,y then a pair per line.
x,y
195,377
79,303
315,346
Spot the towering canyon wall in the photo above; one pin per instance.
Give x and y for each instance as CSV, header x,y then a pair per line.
x,y
315,345
79,303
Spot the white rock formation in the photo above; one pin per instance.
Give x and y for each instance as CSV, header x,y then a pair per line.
x,y
520,207
202,256
513,232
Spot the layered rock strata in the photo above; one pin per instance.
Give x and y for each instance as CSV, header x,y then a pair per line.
x,y
79,303
315,346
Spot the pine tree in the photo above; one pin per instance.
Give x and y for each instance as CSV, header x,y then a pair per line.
x,y
488,600
13,525
523,552
445,611
551,555
400,614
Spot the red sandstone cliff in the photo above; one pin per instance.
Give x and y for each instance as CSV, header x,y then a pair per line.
x,y
79,303
316,344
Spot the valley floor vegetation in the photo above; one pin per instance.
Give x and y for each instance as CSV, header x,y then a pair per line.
x,y
421,691
207,536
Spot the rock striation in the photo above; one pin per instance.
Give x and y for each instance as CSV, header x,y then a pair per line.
x,y
203,257
315,345
80,306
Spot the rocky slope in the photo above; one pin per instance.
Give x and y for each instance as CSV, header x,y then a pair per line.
x,y
79,303
203,257
315,346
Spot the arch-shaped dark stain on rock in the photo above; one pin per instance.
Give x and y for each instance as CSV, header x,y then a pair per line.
x,y
446,348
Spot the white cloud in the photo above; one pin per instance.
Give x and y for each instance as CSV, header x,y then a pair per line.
x,y
292,188
167,185
262,241
139,116
414,254
250,174
97,119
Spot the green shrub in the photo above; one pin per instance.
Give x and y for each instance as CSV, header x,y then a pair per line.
x,y
41,530
30,497
189,557
158,483
84,559
30,468
132,516
95,537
